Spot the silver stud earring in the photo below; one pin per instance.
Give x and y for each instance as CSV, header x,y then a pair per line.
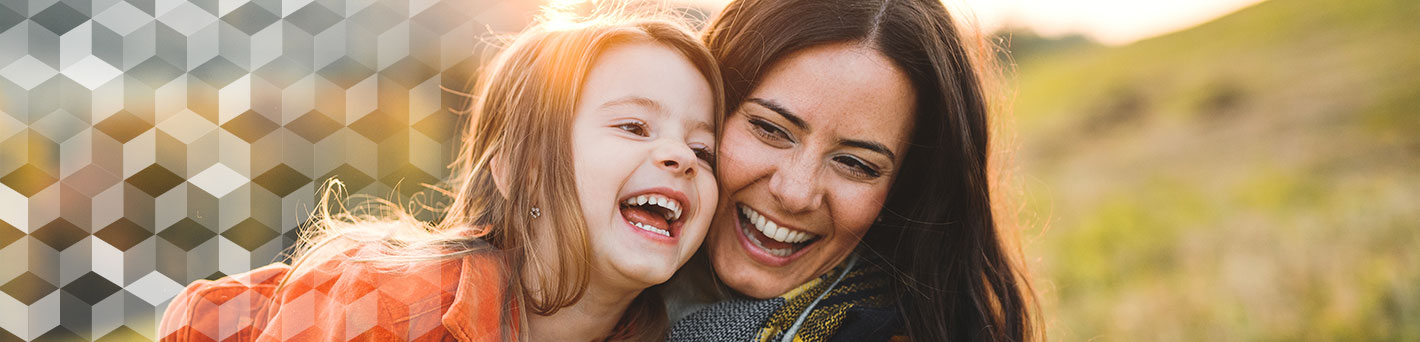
x,y
535,212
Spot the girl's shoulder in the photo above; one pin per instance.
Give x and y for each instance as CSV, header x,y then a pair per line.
x,y
198,310
339,297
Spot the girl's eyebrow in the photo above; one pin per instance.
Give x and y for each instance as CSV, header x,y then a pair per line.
x,y
702,125
641,101
633,100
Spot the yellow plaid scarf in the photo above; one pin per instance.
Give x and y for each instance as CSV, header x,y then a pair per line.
x,y
853,283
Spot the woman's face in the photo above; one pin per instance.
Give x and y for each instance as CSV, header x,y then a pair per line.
x,y
805,165
642,144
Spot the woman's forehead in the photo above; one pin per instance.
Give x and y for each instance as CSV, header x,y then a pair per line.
x,y
845,88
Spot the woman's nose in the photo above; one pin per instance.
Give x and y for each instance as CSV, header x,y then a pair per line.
x,y
796,186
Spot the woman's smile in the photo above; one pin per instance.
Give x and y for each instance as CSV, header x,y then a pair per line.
x,y
776,239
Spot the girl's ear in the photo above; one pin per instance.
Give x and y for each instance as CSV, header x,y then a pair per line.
x,y
500,174
503,180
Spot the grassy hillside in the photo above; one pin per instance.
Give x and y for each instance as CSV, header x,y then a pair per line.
x,y
1253,178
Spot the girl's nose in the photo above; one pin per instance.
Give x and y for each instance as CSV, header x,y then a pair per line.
x,y
679,160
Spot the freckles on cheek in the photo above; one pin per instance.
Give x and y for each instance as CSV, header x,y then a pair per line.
x,y
866,206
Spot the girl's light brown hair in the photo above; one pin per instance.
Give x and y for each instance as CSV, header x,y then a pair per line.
x,y
520,116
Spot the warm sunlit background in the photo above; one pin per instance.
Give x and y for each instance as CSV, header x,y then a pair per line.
x,y
1188,170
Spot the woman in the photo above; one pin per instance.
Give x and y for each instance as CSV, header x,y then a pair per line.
x,y
855,197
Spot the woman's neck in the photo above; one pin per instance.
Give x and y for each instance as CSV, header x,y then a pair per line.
x,y
591,318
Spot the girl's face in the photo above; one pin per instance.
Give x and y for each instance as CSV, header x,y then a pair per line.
x,y
806,163
643,142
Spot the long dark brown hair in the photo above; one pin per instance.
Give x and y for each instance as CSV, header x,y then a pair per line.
x,y
958,276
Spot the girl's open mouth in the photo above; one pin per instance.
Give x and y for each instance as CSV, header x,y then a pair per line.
x,y
771,237
653,212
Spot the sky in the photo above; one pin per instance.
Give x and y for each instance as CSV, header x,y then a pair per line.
x,y
1114,22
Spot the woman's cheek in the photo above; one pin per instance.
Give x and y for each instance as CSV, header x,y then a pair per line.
x,y
866,203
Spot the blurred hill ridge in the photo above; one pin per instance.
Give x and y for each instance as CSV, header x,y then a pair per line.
x,y
1252,178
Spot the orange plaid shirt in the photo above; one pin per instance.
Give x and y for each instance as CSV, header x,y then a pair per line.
x,y
458,299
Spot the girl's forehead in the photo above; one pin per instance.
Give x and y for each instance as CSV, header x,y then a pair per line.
x,y
647,77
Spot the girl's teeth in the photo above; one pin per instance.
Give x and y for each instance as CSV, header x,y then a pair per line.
x,y
651,229
673,208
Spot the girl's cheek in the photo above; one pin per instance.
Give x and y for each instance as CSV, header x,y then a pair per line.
x,y
710,196
736,157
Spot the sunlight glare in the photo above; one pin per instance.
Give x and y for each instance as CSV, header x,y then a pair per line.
x,y
565,14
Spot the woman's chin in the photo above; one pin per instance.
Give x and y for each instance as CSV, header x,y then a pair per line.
x,y
760,288
750,281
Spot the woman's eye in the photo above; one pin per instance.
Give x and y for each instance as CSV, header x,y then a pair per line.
x,y
768,130
857,167
636,128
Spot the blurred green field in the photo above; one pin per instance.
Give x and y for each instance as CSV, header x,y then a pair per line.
x,y
1252,178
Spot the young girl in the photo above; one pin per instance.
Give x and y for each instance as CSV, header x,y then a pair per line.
x,y
584,178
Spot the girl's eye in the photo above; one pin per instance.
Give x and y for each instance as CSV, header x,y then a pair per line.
x,y
636,127
769,131
706,154
857,167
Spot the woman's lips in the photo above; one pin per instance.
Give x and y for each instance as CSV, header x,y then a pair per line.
x,y
777,250
774,230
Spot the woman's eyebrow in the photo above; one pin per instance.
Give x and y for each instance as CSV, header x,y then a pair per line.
x,y
774,106
869,145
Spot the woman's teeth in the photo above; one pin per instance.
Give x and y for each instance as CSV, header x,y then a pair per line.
x,y
672,207
781,252
773,231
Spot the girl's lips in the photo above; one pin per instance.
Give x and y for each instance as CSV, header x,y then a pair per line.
x,y
675,228
761,255
671,231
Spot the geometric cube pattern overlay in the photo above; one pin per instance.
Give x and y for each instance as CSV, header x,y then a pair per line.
x,y
145,144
